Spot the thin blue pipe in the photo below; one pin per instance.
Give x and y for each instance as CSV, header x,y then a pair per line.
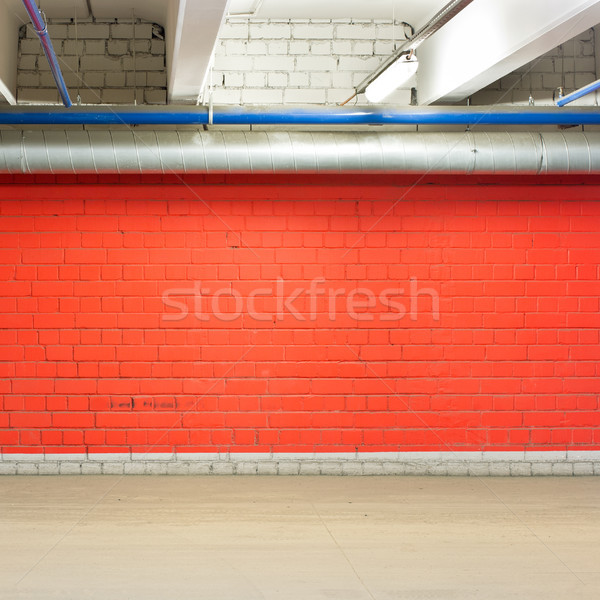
x,y
584,91
268,116
40,28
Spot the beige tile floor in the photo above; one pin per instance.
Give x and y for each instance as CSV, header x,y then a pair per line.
x,y
347,538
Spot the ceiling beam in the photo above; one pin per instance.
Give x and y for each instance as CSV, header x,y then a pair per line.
x,y
192,29
491,39
9,41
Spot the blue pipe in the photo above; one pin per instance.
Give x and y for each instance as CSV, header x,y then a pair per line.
x,y
584,91
168,115
39,26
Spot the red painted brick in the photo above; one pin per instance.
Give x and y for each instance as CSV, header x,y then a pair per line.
x,y
515,267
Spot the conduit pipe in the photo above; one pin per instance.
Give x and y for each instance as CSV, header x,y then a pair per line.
x,y
580,93
199,115
127,151
39,26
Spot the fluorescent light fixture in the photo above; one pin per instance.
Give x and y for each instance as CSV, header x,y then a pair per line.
x,y
392,78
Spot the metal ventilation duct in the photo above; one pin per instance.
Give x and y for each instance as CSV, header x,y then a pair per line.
x,y
297,152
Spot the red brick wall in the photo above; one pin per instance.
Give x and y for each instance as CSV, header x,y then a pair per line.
x,y
95,354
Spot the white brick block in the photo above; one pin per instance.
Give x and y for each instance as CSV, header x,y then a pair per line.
x,y
199,468
91,468
279,80
135,78
365,31
274,63
246,468
47,80
118,96
562,469
93,79
117,47
297,47
499,469
57,32
222,468
341,47
388,31
372,468
220,96
341,80
100,63
157,46
437,469
288,467
317,63
25,79
134,468
112,468
520,469
267,468
37,95
73,47
141,46
236,47
143,63
112,79
155,96
310,468
352,468
331,467
304,96
27,468
48,468
233,63
355,63
362,48
255,80
459,469
320,48
479,469
89,31
298,80
541,469
96,47
313,31
178,468
143,31
8,468
156,79
394,468
272,31
256,48
70,468
582,79
233,79
262,96
275,48
320,80
156,468
545,65
90,96
27,62
585,469
27,46
231,30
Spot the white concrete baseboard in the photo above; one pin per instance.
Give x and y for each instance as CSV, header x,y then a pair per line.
x,y
478,464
